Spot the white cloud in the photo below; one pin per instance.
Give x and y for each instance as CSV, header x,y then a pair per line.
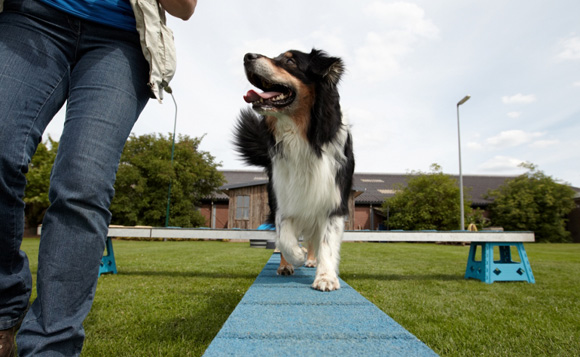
x,y
398,29
541,144
514,114
378,59
402,16
363,119
332,43
501,163
511,138
474,145
569,48
519,99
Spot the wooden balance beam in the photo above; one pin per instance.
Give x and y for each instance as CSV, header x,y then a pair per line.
x,y
481,263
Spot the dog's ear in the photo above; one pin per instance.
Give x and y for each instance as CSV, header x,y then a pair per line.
x,y
329,68
335,71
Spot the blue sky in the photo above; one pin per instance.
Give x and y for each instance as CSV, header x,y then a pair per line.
x,y
408,64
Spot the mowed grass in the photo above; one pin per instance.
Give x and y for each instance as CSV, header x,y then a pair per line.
x,y
422,287
168,298
171,298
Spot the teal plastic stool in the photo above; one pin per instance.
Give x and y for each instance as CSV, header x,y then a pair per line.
x,y
108,264
489,270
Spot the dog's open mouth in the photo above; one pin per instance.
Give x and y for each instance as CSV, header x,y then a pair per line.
x,y
273,95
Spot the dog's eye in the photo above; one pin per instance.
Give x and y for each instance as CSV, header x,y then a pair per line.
x,y
290,61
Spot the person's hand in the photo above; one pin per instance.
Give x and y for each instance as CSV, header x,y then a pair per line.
x,y
182,9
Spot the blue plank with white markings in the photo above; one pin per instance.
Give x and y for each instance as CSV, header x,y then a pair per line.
x,y
283,315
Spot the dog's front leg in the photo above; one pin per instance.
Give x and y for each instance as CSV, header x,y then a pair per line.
x,y
287,242
329,255
284,268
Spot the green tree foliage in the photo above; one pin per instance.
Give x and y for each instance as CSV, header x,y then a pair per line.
x,y
38,181
144,175
429,201
533,202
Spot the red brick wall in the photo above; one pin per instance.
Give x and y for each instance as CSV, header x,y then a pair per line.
x,y
221,214
362,217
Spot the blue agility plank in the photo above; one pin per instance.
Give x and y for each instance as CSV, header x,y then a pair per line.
x,y
283,315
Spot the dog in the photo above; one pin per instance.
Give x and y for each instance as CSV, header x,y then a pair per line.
x,y
296,132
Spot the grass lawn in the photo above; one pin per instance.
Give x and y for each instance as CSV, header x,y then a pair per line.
x,y
171,298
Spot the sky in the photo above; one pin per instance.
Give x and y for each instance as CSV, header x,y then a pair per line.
x,y
408,64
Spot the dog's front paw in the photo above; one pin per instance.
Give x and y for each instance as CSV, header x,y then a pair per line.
x,y
285,269
295,256
326,282
310,263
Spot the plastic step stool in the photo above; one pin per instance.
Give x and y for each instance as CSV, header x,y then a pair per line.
x,y
489,270
108,264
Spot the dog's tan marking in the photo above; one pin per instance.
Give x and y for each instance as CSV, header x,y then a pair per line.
x,y
311,258
305,101
311,255
299,111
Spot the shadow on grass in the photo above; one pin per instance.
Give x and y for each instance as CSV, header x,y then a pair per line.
x,y
363,276
173,329
189,274
192,332
399,277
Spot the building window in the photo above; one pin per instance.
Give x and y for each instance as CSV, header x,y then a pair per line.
x,y
243,207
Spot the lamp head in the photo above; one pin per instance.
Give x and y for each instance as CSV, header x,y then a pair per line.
x,y
465,99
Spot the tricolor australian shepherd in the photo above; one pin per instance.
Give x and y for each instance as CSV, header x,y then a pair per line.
x,y
301,139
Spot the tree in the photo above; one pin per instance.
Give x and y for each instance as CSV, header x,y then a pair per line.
x,y
144,175
38,181
429,201
533,202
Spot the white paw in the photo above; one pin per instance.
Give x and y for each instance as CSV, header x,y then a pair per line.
x,y
295,256
326,282
310,263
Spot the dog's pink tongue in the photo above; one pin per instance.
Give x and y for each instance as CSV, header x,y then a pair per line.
x,y
253,96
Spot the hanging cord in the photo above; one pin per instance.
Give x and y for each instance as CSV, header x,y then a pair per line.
x,y
170,91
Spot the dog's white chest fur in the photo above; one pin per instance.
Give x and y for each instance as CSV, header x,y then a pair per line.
x,y
304,183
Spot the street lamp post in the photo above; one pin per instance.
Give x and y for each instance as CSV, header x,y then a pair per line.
x,y
462,218
168,90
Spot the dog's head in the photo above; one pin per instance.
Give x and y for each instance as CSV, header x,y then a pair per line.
x,y
291,81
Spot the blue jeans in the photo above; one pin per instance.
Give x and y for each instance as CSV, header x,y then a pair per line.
x,y
46,58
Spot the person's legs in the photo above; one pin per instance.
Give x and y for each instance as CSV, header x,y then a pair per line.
x,y
108,91
33,85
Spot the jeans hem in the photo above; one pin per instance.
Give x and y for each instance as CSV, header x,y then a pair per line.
x,y
6,325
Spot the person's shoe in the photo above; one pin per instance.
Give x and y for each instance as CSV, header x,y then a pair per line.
x,y
7,345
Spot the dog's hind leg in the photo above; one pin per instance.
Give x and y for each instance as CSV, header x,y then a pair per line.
x,y
311,243
329,255
287,242
311,257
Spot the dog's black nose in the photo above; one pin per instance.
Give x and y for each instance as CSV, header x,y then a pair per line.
x,y
251,56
